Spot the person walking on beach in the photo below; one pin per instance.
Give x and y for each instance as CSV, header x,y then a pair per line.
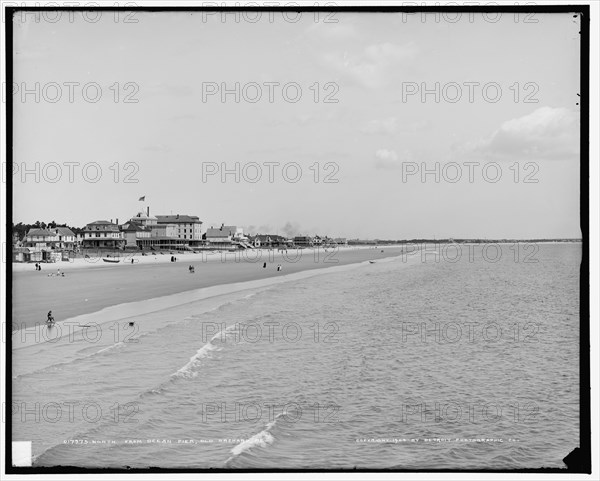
x,y
50,318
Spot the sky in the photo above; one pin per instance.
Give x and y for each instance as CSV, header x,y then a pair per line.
x,y
341,114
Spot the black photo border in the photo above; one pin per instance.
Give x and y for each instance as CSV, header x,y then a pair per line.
x,y
578,461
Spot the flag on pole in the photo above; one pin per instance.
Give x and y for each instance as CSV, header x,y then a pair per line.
x,y
142,198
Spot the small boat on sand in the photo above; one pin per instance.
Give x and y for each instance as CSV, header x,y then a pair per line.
x,y
114,261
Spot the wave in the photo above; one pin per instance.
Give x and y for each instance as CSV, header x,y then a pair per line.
x,y
188,370
262,439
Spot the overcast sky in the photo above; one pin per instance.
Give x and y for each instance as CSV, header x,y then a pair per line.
x,y
375,140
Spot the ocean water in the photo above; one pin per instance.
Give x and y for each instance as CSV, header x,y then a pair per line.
x,y
407,363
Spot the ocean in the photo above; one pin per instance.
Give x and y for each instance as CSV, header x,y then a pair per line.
x,y
452,361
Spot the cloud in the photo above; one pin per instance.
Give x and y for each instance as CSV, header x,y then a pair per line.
x,y
546,133
386,159
375,66
391,125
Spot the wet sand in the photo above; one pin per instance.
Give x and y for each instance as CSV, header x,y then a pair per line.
x,y
84,291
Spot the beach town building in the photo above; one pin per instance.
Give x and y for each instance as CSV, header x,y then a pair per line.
x,y
145,219
268,241
163,232
45,245
303,241
102,234
340,241
60,238
26,254
223,236
180,226
135,234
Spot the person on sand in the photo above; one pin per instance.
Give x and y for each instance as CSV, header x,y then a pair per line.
x,y
264,265
50,318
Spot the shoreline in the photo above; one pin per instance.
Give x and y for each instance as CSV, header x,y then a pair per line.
x,y
182,256
218,255
86,291
204,299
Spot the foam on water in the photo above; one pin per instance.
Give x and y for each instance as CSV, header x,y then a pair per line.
x,y
188,371
262,439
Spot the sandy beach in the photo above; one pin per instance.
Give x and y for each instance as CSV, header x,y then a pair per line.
x,y
88,287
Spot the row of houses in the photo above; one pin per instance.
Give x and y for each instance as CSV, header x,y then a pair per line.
x,y
144,231
139,232
271,240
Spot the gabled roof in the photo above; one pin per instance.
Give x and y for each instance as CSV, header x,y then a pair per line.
x,y
65,231
41,232
48,232
134,227
178,219
224,231
112,227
